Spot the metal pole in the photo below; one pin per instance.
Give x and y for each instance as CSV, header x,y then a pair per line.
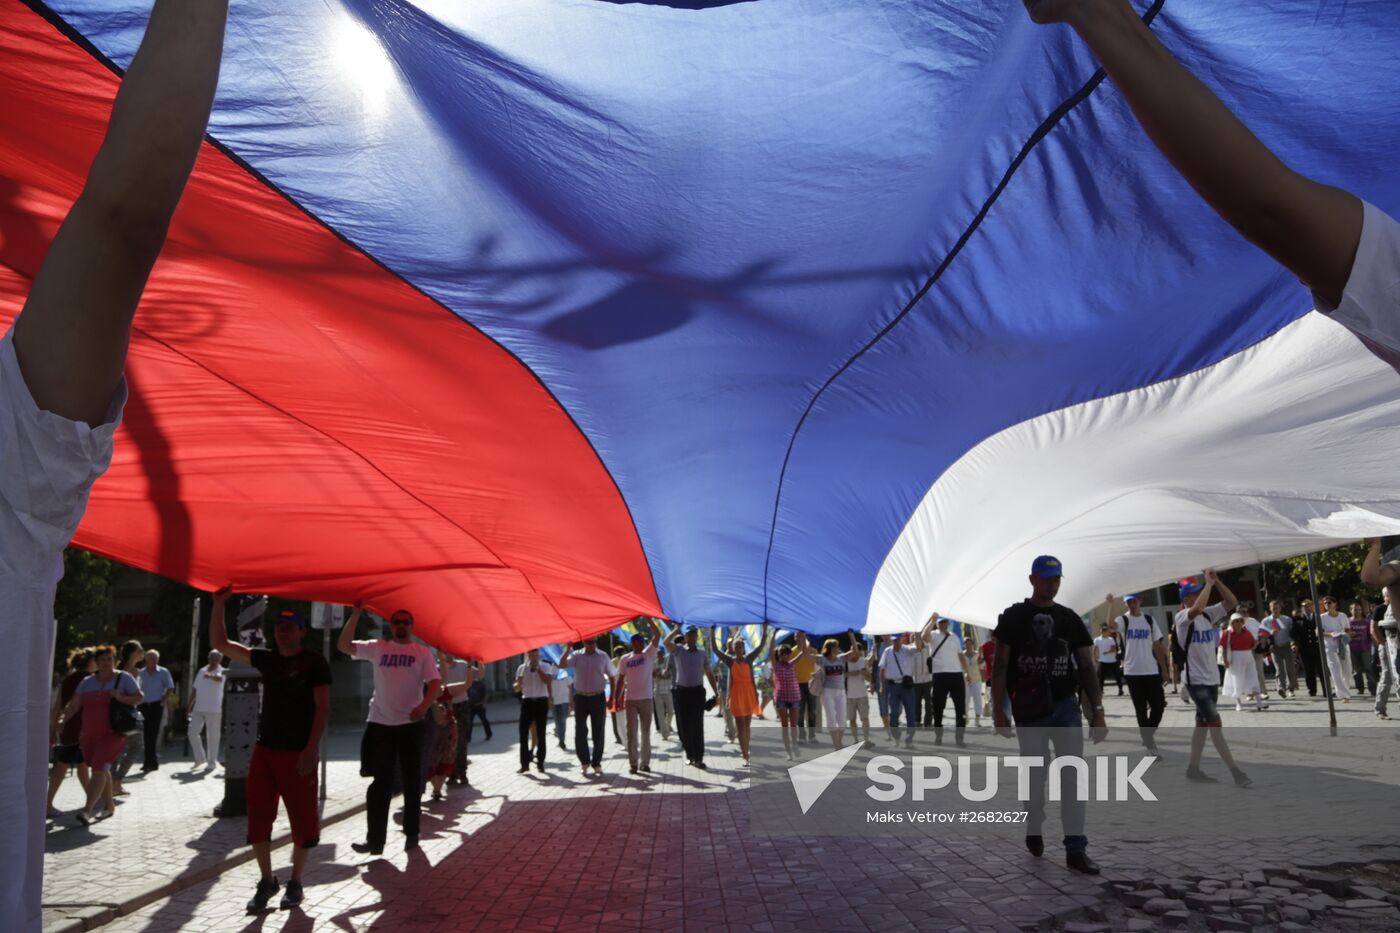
x,y
325,733
190,668
1321,648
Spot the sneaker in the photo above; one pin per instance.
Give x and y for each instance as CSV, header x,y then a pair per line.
x,y
292,896
700,765
83,818
1200,777
539,766
266,888
1035,845
1382,716
583,767
598,769
524,769
1241,779
631,770
364,848
1080,862
645,768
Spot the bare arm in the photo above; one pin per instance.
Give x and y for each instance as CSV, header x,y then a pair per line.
x,y
1159,648
655,634
1092,696
306,761
754,655
431,690
345,643
1310,228
72,336
1373,572
1226,597
1202,600
218,636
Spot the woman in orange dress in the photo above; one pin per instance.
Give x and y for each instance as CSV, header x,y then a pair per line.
x,y
743,697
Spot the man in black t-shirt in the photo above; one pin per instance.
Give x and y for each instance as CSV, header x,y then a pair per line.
x,y
1044,661
295,707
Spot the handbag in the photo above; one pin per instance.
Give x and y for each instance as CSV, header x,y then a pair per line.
x,y
124,719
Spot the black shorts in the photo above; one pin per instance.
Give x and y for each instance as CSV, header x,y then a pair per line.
x,y
67,755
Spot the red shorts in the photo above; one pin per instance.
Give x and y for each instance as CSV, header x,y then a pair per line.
x,y
272,774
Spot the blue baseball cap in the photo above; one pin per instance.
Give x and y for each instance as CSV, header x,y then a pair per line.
x,y
1131,597
1046,566
1189,587
292,616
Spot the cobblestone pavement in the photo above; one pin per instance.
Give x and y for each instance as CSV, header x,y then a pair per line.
x,y
562,851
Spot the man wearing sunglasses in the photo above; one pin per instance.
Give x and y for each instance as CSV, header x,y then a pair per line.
x,y
393,735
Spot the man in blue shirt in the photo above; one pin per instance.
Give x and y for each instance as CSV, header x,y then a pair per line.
x,y
156,688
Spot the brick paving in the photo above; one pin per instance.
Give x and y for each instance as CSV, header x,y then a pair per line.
x,y
562,852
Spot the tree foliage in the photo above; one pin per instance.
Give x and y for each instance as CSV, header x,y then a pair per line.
x,y
80,605
1338,572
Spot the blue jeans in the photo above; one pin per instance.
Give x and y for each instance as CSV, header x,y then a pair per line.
x,y
1064,729
1205,697
902,698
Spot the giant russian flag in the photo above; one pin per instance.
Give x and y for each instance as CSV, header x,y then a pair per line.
x,y
534,316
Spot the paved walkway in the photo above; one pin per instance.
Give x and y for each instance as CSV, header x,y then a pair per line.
x,y
561,852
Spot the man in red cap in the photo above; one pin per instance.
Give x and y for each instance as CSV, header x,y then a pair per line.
x,y
296,703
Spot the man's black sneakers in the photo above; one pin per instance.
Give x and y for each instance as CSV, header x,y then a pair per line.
x,y
1035,845
1241,779
1080,862
291,897
266,888
1200,777
364,848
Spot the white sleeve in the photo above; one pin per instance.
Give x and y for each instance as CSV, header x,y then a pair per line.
x,y
1370,305
364,650
47,467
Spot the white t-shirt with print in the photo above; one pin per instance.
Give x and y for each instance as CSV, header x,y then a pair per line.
x,y
1370,305
1201,669
1108,649
1140,634
47,468
400,671
636,672
834,672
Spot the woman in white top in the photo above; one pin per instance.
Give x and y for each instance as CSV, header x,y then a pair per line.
x,y
1334,628
831,665
974,675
